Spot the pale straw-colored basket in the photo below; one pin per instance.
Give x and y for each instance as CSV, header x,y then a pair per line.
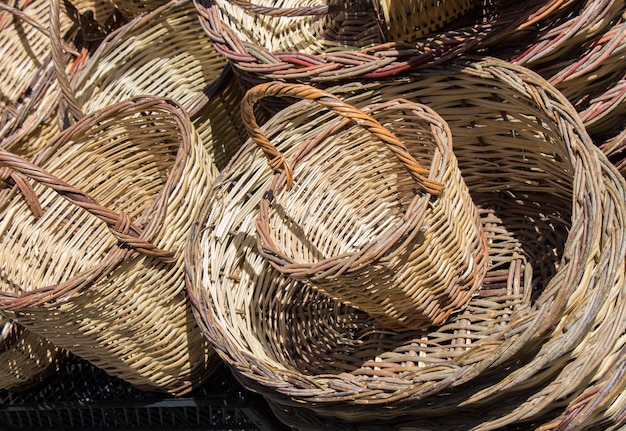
x,y
331,42
409,20
554,269
383,224
93,240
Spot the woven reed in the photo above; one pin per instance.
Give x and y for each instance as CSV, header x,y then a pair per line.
x,y
100,271
353,224
531,169
309,42
25,358
409,20
597,403
26,70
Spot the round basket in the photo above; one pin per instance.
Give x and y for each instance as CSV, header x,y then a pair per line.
x,y
93,249
361,219
528,164
326,43
574,384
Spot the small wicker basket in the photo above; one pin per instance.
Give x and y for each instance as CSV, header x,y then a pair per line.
x,y
365,222
93,250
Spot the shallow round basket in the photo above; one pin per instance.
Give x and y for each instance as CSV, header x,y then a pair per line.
x,y
574,384
92,238
384,224
331,42
528,164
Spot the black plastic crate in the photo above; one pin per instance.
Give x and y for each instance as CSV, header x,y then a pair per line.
x,y
82,397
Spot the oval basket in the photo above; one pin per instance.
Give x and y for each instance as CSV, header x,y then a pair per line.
x,y
328,43
528,164
93,243
362,219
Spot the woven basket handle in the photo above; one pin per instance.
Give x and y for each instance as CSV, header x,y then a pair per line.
x,y
277,161
120,224
288,12
56,44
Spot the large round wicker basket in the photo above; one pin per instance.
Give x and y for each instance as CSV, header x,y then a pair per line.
x,y
556,251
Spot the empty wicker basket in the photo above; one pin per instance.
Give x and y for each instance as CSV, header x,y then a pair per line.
x,y
93,250
532,172
385,225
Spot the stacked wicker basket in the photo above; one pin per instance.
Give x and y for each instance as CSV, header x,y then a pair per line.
x,y
407,214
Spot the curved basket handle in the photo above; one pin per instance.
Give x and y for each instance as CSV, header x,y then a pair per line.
x,y
67,94
291,11
277,161
35,24
120,224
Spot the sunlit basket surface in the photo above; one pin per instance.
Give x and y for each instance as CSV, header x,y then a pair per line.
x,y
93,258
381,223
528,164
151,55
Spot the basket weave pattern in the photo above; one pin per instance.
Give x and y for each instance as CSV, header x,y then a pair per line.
x,y
91,292
377,243
299,348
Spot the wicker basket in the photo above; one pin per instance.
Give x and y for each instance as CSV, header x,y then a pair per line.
x,y
564,395
26,72
150,55
326,44
367,215
117,193
531,170
409,20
